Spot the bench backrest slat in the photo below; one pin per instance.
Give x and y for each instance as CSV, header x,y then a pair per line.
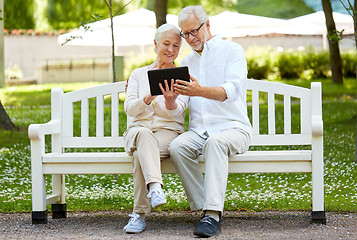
x,y
258,88
287,114
100,116
255,111
84,120
115,115
271,113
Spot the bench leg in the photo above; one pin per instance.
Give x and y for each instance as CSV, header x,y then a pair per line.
x,y
59,211
39,217
318,217
318,206
39,211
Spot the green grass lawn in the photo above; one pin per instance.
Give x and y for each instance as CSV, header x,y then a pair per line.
x,y
255,192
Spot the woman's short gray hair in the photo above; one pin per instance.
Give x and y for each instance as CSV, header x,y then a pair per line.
x,y
198,10
164,28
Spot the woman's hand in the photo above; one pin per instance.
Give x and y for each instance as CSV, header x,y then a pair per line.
x,y
169,94
148,99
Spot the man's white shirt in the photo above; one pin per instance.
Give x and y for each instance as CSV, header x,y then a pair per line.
x,y
222,63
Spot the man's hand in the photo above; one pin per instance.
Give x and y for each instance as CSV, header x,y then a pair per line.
x,y
192,88
169,94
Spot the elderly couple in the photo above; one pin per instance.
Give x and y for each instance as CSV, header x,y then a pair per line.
x,y
219,125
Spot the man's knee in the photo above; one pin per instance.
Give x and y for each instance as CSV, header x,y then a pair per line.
x,y
215,142
175,146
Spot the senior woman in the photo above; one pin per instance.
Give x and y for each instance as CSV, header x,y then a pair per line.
x,y
153,122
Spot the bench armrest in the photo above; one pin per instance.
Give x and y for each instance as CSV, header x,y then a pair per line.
x,y
316,126
37,131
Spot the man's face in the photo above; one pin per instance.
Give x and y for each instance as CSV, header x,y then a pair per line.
x,y
191,23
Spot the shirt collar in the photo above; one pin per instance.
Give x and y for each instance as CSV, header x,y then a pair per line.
x,y
210,44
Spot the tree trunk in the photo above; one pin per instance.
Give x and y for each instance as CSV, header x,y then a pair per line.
x,y
335,56
355,22
160,9
5,121
2,50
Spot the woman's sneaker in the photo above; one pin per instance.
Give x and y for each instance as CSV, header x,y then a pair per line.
x,y
135,224
158,198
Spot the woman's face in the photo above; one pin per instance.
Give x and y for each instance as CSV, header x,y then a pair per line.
x,y
168,47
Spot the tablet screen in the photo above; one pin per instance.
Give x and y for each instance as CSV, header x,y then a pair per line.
x,y
159,75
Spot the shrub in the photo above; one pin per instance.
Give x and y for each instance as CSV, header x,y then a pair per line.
x,y
289,65
349,63
258,69
259,62
317,63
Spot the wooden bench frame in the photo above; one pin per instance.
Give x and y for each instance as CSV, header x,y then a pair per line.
x,y
58,163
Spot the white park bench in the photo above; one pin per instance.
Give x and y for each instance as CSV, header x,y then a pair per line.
x,y
58,162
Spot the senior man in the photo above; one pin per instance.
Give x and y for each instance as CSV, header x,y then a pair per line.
x,y
219,125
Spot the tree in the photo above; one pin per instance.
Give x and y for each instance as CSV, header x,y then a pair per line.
x,y
160,9
352,10
67,14
19,14
97,17
110,7
333,41
5,121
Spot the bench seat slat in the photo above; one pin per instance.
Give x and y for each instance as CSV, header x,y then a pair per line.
x,y
123,157
121,163
168,168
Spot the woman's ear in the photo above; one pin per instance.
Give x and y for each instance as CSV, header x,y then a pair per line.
x,y
155,46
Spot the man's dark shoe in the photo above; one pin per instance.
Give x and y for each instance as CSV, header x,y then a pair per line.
x,y
208,227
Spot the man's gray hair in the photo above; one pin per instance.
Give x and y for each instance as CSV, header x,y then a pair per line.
x,y
198,10
164,28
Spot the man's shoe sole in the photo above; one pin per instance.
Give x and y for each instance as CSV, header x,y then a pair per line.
x,y
201,234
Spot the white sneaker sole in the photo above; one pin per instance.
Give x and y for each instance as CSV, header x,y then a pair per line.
x,y
158,204
133,231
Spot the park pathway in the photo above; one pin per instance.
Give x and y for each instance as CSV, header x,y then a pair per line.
x,y
165,225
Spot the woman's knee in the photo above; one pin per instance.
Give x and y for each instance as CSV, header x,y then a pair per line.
x,y
144,133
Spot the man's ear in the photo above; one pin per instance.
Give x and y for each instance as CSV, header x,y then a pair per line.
x,y
208,25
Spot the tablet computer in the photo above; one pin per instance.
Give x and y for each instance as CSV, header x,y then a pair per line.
x,y
159,75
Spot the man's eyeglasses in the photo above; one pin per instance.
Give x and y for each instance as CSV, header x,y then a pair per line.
x,y
193,32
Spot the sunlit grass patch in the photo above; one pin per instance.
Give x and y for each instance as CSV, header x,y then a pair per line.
x,y
255,192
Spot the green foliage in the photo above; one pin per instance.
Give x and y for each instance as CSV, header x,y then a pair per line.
x,y
265,63
349,63
18,14
273,8
68,14
316,63
289,64
71,13
258,69
259,62
254,192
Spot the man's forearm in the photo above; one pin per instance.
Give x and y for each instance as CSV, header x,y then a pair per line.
x,y
214,93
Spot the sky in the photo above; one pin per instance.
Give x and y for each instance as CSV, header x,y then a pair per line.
x,y
336,5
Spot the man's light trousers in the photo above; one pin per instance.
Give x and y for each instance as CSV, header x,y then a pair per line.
x,y
206,193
